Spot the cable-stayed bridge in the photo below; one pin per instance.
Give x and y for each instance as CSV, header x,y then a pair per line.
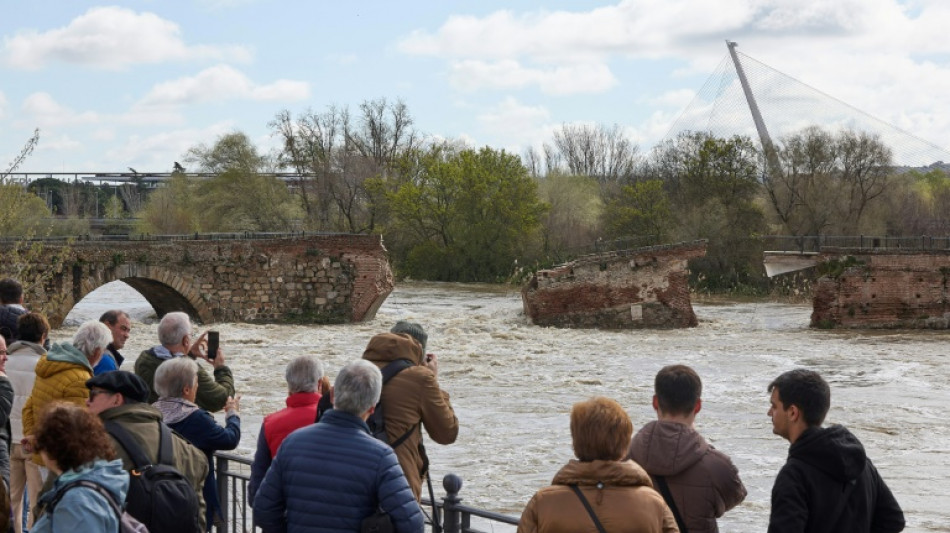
x,y
785,106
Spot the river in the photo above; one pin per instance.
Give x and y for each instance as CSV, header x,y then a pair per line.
x,y
513,384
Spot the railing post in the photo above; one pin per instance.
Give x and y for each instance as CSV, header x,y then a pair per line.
x,y
451,518
223,496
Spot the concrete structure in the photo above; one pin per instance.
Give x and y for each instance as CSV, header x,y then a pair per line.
x,y
882,289
281,278
642,288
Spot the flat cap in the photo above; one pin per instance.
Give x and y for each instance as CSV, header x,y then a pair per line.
x,y
130,386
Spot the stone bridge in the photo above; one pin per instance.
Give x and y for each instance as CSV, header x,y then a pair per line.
x,y
874,282
215,278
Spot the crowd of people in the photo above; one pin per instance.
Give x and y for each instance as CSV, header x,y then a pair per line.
x,y
80,439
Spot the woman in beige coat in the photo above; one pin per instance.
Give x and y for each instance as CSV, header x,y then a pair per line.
x,y
618,492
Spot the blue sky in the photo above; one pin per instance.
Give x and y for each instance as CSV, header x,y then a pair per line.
x,y
136,84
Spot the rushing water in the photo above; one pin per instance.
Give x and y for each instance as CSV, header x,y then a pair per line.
x,y
513,384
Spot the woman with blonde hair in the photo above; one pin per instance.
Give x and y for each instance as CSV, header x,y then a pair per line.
x,y
75,446
599,491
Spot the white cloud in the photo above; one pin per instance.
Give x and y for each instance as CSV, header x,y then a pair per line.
x,y
111,38
3,104
514,124
44,111
473,75
160,150
222,82
342,59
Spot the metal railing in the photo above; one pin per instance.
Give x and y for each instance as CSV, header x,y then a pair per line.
x,y
233,474
233,236
815,243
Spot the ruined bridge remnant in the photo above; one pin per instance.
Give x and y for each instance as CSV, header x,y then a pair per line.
x,y
875,282
627,289
221,278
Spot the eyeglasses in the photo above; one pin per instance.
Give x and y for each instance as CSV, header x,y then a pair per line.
x,y
96,392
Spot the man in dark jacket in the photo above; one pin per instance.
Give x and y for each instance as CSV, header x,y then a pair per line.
x,y
11,307
120,324
828,483
702,481
332,475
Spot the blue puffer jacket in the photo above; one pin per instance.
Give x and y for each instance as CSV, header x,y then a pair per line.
x,y
330,476
83,507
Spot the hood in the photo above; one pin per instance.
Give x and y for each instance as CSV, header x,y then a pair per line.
x,y
616,473
175,409
833,450
667,448
107,473
26,348
387,347
67,353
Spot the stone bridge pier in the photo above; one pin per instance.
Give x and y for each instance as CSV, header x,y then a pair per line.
x,y
287,278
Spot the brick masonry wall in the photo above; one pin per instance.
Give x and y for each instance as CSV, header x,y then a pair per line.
x,y
313,279
645,288
885,290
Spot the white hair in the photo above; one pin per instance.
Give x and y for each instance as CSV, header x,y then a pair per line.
x,y
173,375
303,374
91,335
357,387
173,328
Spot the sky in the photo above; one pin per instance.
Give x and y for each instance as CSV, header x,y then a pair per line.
x,y
135,84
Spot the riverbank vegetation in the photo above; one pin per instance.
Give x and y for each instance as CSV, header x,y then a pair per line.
x,y
453,212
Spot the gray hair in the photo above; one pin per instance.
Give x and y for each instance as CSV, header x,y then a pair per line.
x,y
303,374
357,387
173,328
91,335
173,375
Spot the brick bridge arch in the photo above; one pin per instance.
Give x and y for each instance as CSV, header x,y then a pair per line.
x,y
220,278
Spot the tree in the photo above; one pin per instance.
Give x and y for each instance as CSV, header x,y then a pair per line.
x,y
243,194
335,153
575,208
826,182
597,151
713,185
642,208
462,215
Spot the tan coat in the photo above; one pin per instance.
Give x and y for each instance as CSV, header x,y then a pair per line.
x,y
627,502
703,481
411,397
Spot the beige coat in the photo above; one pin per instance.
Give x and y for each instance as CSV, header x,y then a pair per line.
x,y
412,397
626,503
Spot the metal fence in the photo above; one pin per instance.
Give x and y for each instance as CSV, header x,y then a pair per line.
x,y
235,236
233,474
815,243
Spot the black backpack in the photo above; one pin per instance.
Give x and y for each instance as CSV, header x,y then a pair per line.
x,y
377,421
159,495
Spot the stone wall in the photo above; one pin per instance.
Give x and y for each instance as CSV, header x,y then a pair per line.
x,y
643,288
889,289
312,279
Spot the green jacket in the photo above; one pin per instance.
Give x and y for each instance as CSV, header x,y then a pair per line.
x,y
213,393
141,420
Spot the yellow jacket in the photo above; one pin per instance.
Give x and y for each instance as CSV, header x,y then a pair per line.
x,y
61,375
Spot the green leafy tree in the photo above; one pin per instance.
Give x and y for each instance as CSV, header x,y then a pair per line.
x,y
642,208
462,215
573,220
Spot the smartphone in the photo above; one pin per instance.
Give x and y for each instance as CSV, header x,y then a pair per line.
x,y
212,344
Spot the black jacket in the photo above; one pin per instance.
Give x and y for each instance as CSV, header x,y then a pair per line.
x,y
809,488
8,318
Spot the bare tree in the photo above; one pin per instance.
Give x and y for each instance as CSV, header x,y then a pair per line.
x,y
603,153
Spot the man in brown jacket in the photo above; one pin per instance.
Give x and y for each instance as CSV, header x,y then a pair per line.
x,y
412,399
701,480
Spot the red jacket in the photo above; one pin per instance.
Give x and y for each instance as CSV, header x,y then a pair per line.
x,y
301,411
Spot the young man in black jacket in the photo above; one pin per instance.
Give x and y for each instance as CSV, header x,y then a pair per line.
x,y
828,483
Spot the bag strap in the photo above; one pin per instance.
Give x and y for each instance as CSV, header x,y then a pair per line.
x,y
590,510
131,447
389,371
106,493
668,496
